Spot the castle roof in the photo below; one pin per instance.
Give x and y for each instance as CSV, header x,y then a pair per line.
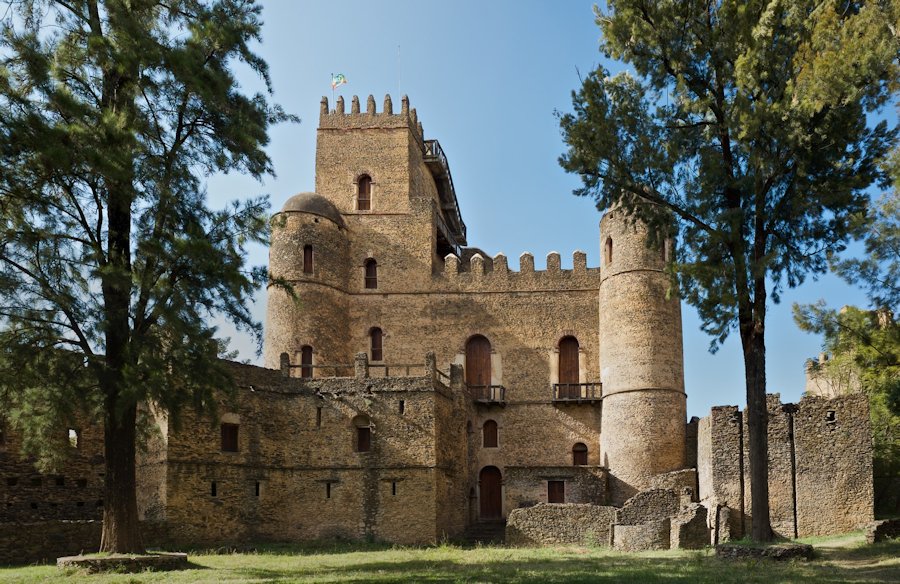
x,y
315,204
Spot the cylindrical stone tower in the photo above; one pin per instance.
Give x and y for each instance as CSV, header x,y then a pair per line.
x,y
310,250
641,359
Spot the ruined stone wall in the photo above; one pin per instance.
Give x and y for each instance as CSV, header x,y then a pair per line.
x,y
452,479
820,471
834,464
74,491
545,524
44,541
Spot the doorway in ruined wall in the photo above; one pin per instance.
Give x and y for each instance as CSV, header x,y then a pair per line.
x,y
490,494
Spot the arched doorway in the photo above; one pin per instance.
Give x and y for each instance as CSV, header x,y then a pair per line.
x,y
478,365
568,368
489,481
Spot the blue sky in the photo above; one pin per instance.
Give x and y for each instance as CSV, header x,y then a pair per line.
x,y
485,78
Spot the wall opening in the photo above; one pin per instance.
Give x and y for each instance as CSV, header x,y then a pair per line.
x,y
569,368
319,417
371,274
401,407
12,482
478,365
376,340
74,438
306,358
60,481
213,490
579,454
364,193
327,490
363,433
489,434
256,489
394,488
307,259
608,250
229,437
556,491
81,483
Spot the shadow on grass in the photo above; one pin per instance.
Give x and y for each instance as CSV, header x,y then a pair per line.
x,y
567,568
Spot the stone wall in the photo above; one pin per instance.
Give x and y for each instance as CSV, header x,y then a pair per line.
x,y
547,524
820,465
44,541
73,492
526,486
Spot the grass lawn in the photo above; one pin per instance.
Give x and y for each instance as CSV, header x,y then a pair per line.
x,y
840,559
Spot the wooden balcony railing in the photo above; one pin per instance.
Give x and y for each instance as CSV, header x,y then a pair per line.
x,y
577,392
488,394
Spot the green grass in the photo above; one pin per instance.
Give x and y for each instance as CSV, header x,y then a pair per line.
x,y
841,559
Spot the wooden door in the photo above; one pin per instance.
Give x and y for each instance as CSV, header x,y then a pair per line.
x,y
478,364
490,494
568,368
556,491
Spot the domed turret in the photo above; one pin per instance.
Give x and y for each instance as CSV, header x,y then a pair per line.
x,y
310,250
641,359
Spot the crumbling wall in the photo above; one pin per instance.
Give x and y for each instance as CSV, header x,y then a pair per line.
x,y
545,524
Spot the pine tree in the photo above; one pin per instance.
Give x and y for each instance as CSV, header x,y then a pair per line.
x,y
745,121
112,114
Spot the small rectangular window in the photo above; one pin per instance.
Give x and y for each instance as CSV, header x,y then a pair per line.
x,y
229,437
319,417
60,481
363,439
556,491
401,406
12,482
212,489
81,483
74,438
256,492
394,488
307,259
327,490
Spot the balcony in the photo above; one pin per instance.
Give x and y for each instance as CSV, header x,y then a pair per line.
x,y
488,394
577,393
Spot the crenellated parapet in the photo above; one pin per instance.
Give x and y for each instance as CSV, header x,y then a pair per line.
x,y
338,118
475,271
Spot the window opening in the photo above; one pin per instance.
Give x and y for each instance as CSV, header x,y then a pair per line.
x,y
364,193
327,490
319,417
363,433
556,491
306,355
60,481
229,437
256,492
371,279
394,488
489,431
212,488
579,454
376,336
401,406
609,250
307,259
73,438
569,368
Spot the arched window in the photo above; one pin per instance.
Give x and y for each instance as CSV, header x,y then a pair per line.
x,y
579,454
371,273
306,354
363,433
364,193
478,365
375,335
307,259
609,250
568,368
489,434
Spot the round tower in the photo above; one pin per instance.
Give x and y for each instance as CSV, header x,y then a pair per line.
x,y
641,359
310,251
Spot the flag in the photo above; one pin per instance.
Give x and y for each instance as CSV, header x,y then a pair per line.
x,y
337,80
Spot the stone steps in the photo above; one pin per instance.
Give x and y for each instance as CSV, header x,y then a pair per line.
x,y
486,532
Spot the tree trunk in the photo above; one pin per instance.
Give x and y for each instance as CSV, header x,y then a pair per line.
x,y
121,533
754,347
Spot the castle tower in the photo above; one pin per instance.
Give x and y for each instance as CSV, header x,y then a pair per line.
x,y
641,360
309,250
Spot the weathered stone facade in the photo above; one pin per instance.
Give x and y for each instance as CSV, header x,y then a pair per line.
x,y
414,386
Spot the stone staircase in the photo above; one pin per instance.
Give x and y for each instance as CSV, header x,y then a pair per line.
x,y
486,532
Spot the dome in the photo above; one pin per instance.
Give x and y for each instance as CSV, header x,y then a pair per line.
x,y
315,204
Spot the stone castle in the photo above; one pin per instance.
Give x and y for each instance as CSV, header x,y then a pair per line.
x,y
416,388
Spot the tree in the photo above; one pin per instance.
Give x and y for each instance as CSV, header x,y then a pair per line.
x,y
742,126
112,113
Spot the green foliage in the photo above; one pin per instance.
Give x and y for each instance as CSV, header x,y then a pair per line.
x,y
747,122
112,115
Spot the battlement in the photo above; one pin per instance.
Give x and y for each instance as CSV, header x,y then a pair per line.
x,y
339,119
487,271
